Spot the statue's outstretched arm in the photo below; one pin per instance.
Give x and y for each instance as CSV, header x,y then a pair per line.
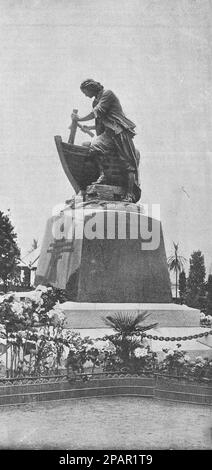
x,y
89,116
91,128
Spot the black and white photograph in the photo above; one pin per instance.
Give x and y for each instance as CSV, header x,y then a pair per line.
x,y
105,230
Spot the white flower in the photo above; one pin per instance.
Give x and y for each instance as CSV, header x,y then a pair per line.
x,y
200,359
202,315
187,358
39,333
109,347
209,318
60,315
98,344
72,349
36,297
88,363
35,317
42,289
63,334
170,352
140,352
57,313
50,314
12,340
17,308
181,360
27,303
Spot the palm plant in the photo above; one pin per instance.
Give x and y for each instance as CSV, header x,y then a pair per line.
x,y
176,263
127,327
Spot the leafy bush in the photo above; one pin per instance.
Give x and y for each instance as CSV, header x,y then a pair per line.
x,y
205,320
33,331
178,362
37,342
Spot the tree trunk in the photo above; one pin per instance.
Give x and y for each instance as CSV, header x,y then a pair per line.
x,y
7,372
11,359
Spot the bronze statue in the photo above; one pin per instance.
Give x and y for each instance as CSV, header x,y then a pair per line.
x,y
101,247
114,134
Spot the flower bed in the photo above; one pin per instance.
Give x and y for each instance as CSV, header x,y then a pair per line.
x,y
37,344
179,363
32,332
205,320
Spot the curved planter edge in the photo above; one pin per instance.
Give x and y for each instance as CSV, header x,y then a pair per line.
x,y
154,387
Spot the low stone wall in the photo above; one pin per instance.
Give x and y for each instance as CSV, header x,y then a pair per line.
x,y
167,388
65,389
60,388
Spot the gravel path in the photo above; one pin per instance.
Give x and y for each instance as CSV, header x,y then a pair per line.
x,y
106,423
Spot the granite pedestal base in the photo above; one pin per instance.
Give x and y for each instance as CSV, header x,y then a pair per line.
x,y
172,320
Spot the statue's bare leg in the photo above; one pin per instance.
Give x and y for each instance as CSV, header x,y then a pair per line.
x,y
102,178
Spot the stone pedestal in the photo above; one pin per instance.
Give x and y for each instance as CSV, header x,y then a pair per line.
x,y
105,252
82,315
172,321
110,257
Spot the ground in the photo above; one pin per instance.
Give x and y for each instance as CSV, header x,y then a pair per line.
x,y
106,423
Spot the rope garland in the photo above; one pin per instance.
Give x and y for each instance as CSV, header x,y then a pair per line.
x,y
178,338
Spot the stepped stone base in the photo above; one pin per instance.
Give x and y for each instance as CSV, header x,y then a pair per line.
x,y
172,320
90,315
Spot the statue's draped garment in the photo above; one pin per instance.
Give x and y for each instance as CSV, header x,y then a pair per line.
x,y
114,130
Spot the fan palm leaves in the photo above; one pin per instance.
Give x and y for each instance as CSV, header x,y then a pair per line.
x,y
127,327
176,263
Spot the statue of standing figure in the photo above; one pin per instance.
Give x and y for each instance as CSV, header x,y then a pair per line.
x,y
114,133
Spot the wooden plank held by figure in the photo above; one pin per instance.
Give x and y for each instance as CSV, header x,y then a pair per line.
x,y
85,130
73,128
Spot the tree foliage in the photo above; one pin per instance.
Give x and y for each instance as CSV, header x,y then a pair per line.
x,y
209,296
176,263
196,288
182,286
9,251
33,330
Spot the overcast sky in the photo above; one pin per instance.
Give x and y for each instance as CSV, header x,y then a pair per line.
x,y
156,56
